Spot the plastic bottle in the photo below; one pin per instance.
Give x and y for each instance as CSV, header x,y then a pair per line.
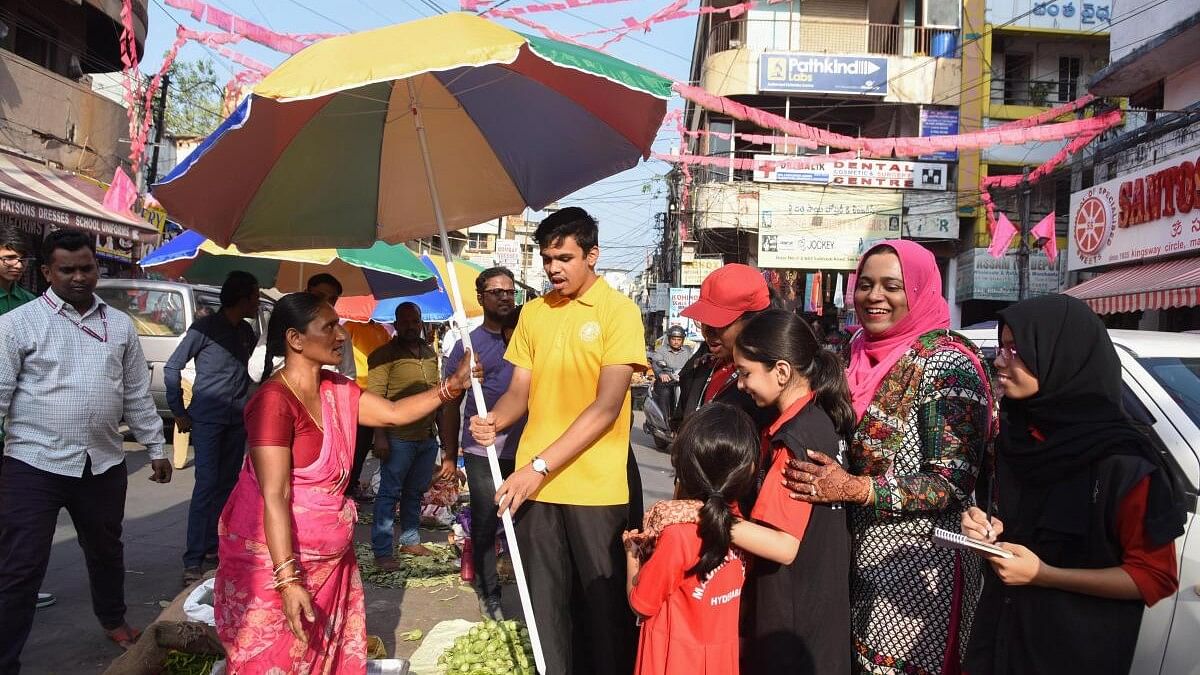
x,y
466,565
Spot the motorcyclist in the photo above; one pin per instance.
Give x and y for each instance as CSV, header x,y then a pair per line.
x,y
666,362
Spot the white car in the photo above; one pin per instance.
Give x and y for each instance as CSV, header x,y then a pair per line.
x,y
1161,373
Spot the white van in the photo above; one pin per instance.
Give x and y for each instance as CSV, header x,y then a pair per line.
x,y
162,311
1161,373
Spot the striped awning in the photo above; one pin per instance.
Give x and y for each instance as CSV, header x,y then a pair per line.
x,y
56,198
1158,285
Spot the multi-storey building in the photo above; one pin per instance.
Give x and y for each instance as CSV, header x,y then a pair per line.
x,y
1020,58
57,135
870,68
1134,225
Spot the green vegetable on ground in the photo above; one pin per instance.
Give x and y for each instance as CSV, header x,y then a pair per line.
x,y
490,648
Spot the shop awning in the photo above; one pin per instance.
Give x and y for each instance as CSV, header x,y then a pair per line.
x,y
1158,285
59,199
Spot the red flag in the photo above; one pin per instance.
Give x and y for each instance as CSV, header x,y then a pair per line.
x,y
1045,230
121,193
1002,236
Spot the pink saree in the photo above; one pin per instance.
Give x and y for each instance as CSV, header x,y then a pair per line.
x,y
249,612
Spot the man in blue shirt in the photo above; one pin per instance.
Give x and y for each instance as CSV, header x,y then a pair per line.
x,y
496,289
221,345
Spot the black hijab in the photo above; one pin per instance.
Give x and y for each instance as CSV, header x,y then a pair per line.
x,y
1077,410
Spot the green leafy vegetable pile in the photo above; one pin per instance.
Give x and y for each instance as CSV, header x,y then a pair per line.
x,y
416,571
179,663
490,648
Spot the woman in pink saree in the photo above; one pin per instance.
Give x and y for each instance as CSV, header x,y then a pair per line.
x,y
288,597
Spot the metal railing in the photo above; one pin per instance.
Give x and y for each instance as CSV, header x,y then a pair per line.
x,y
1033,92
833,37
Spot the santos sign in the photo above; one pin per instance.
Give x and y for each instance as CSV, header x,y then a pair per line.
x,y
1148,213
822,73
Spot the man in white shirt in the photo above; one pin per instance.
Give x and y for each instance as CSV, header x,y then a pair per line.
x,y
71,369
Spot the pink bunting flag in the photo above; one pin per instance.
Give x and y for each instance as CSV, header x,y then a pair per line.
x,y
121,193
1002,236
1045,231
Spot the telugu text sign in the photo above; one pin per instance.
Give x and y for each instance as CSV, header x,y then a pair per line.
x,y
823,228
823,73
1148,213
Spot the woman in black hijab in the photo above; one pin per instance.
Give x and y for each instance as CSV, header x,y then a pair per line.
x,y
1082,500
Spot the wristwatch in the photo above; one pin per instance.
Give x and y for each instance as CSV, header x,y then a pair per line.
x,y
539,465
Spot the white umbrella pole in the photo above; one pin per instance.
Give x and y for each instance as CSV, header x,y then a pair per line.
x,y
460,322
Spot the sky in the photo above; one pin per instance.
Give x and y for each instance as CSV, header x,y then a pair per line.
x,y
621,203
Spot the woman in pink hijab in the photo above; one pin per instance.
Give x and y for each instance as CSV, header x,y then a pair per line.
x,y
924,403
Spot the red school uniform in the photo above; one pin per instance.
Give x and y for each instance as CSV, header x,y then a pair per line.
x,y
691,624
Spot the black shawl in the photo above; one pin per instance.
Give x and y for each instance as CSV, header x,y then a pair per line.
x,y
1077,410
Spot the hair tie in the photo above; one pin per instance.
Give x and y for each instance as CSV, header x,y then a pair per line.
x,y
715,495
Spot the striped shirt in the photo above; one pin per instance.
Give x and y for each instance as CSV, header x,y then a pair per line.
x,y
66,383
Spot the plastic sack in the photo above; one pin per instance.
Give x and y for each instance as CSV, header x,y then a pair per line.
x,y
199,603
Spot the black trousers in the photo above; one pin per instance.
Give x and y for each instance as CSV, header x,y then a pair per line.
x,y
484,521
575,566
30,500
362,446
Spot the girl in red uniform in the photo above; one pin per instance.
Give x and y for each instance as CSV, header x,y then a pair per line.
x,y
797,609
688,592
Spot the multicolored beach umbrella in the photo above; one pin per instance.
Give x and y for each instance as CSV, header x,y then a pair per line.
x,y
435,305
382,271
325,152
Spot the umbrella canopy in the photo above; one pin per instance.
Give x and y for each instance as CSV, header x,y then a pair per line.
x,y
435,305
382,271
325,152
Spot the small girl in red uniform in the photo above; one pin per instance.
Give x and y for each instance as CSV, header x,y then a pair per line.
x,y
688,593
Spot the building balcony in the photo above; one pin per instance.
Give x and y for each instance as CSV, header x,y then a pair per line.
x,y
60,120
914,64
829,36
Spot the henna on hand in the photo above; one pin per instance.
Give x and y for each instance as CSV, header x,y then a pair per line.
x,y
824,481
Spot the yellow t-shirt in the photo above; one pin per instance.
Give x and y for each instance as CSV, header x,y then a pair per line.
x,y
364,339
565,343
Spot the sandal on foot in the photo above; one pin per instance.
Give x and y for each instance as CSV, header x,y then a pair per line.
x,y
124,636
387,564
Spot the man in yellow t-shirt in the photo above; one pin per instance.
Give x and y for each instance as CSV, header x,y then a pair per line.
x,y
574,353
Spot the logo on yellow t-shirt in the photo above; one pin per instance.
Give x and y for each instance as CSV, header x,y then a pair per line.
x,y
589,331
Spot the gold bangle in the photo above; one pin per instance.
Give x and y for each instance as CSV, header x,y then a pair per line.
x,y
280,566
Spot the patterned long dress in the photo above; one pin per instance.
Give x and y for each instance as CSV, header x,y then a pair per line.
x,y
922,440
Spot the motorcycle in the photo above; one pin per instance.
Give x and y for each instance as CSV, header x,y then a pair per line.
x,y
657,422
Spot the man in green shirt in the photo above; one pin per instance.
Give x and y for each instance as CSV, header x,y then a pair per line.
x,y
14,260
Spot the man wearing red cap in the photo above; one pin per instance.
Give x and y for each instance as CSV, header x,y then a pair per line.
x,y
729,297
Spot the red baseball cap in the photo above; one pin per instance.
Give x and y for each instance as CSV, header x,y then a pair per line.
x,y
727,293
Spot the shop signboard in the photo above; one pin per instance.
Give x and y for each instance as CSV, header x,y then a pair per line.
x,y
55,218
508,253
823,73
680,299
982,277
1143,214
930,216
939,121
823,228
871,173
1066,15
693,273
662,297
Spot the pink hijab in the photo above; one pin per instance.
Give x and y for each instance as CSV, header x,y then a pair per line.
x,y
872,356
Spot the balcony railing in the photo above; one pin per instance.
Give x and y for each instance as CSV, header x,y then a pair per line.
x,y
1033,92
832,37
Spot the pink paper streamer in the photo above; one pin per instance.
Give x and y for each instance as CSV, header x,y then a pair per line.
x,y
1002,237
1045,230
121,193
231,23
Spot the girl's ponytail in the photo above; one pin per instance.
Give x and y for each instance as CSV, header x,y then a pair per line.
x,y
713,457
831,391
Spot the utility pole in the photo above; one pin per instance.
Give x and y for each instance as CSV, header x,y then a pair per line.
x,y
159,113
1025,196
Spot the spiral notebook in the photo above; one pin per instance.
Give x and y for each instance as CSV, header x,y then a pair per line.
x,y
948,539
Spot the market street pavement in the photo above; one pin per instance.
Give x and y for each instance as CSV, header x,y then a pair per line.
x,y
67,640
